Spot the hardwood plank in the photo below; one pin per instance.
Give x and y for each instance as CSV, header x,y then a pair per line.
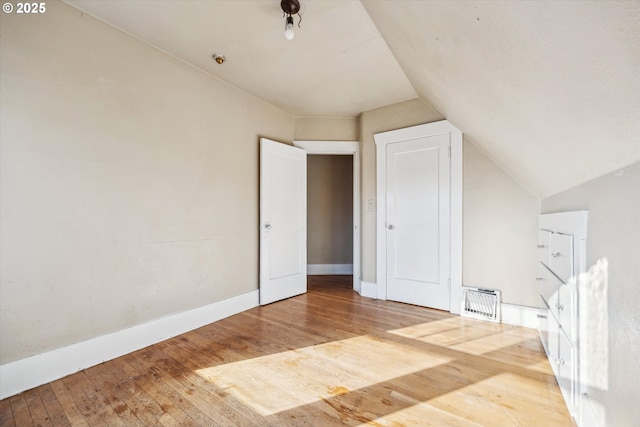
x,y
328,357
89,401
54,408
148,405
6,414
123,403
71,410
155,384
182,379
20,409
36,408
196,359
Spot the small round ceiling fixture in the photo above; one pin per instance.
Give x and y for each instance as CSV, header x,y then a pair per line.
x,y
218,58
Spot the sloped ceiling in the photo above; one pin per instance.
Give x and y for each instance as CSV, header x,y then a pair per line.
x,y
549,90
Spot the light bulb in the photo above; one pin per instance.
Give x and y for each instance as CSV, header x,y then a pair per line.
x,y
288,31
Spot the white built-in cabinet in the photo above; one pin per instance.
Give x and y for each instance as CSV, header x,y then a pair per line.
x,y
562,257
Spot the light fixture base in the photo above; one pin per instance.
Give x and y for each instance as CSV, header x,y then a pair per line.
x,y
290,7
218,58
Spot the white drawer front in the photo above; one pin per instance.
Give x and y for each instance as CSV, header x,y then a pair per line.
x,y
562,355
561,255
549,287
554,343
566,369
543,246
543,325
566,313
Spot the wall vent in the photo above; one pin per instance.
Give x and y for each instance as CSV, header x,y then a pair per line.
x,y
483,304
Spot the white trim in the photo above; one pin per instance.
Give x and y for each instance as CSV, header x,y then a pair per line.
x,y
456,220
520,315
368,290
574,222
328,147
349,148
321,269
455,137
30,372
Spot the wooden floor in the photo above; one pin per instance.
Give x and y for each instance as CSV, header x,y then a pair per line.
x,y
325,358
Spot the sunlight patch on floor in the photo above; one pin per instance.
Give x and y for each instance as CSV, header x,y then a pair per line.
x,y
488,402
480,337
419,414
507,399
488,343
282,381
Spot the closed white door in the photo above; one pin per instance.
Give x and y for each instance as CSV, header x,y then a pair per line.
x,y
417,221
283,221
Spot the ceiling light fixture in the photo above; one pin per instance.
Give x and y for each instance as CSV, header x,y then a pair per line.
x,y
218,58
290,7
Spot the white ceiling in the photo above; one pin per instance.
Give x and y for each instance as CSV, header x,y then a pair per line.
x,y
550,90
337,65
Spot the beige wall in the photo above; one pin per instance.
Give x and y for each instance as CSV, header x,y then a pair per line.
x,y
129,182
613,232
500,230
326,129
329,209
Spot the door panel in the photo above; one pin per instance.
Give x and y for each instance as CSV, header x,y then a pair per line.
x,y
418,215
415,258
283,221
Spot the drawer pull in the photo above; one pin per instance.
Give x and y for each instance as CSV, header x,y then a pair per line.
x,y
560,361
539,278
541,316
555,254
540,246
560,306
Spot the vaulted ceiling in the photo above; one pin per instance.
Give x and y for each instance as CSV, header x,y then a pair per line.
x,y
549,90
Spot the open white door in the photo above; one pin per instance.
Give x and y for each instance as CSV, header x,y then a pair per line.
x,y
283,221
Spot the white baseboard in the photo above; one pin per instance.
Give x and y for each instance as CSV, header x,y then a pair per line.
x,y
322,269
519,315
30,372
368,290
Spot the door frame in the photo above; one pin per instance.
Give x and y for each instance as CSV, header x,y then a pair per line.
x,y
346,148
421,131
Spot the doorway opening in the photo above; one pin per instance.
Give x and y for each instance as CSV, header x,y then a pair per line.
x,y
333,209
330,215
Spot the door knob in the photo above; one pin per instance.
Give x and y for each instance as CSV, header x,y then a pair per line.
x,y
267,226
390,227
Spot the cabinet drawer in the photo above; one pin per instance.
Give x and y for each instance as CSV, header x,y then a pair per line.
x,y
562,355
566,310
566,372
543,246
548,286
543,325
559,300
561,255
